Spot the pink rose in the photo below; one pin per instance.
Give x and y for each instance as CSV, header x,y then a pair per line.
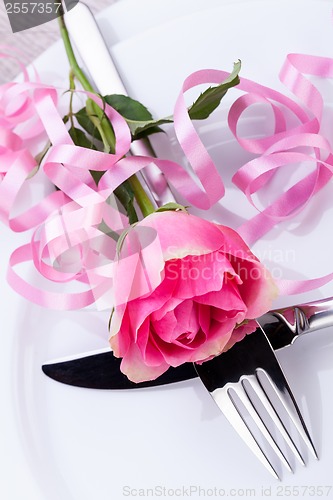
x,y
209,288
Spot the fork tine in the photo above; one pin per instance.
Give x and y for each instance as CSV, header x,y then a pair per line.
x,y
249,358
269,407
245,398
231,412
284,393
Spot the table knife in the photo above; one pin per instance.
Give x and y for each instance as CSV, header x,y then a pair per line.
x,y
101,369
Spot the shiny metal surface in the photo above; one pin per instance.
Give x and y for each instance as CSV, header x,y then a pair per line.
x,y
232,374
307,318
284,326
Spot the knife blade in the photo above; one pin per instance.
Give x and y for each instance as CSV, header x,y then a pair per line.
x,y
101,369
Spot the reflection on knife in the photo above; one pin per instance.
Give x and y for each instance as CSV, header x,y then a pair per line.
x,y
101,370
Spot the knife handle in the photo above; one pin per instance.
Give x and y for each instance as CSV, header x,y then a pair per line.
x,y
88,39
308,317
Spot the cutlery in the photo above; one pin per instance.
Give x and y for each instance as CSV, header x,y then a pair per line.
x,y
238,376
251,356
100,369
248,362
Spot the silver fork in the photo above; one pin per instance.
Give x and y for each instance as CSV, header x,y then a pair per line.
x,y
254,354
229,377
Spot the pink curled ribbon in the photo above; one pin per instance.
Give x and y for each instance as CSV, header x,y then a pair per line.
x,y
67,244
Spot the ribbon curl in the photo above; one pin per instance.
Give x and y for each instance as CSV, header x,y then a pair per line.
x,y
69,242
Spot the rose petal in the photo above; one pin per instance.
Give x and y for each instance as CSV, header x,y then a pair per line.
x,y
169,306
190,235
227,299
211,283
220,315
177,353
186,317
139,310
258,289
214,346
120,343
198,275
240,332
204,317
165,327
235,245
134,367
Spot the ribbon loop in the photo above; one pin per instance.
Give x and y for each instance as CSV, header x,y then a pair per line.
x,y
75,228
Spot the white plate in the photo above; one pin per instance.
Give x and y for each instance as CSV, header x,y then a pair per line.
x,y
68,443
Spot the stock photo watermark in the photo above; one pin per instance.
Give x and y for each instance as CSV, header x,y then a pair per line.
x,y
24,15
187,491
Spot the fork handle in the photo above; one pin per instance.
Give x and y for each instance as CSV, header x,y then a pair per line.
x,y
308,317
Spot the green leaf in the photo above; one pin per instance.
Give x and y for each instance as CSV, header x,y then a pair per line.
x,y
142,129
146,131
209,100
129,108
125,195
138,117
172,206
85,122
80,138
141,121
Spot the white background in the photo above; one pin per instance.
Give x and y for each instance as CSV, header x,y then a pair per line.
x,y
60,442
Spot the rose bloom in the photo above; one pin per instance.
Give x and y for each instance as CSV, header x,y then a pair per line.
x,y
209,289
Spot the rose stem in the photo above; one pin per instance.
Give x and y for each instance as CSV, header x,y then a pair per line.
x,y
141,196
